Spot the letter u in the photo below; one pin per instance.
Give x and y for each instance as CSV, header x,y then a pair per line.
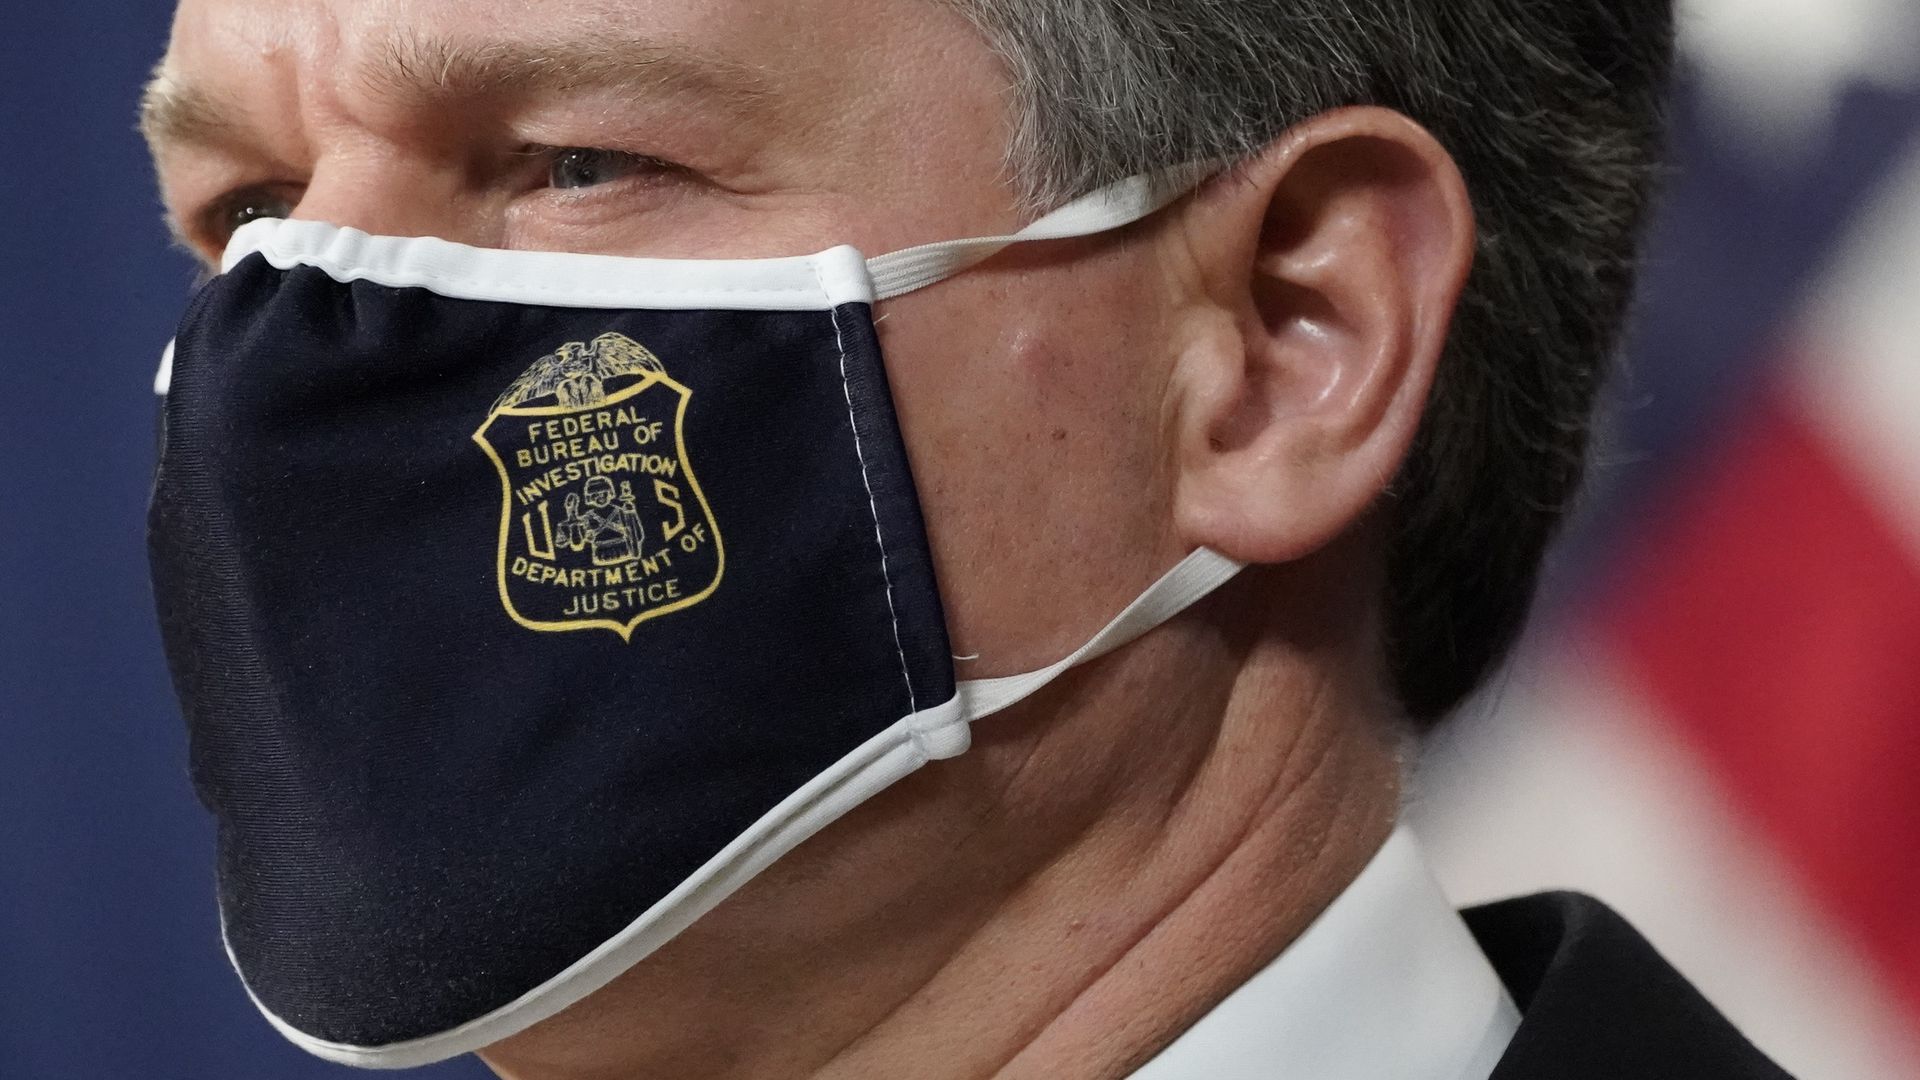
x,y
546,527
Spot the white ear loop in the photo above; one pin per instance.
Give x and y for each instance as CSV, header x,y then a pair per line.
x,y
1110,207
1190,581
943,732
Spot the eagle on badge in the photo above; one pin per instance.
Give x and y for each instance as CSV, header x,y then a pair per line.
x,y
577,373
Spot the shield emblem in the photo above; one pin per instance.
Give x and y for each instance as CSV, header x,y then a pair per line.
x,y
602,523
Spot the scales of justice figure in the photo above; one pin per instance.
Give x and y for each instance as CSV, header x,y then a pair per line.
x,y
609,525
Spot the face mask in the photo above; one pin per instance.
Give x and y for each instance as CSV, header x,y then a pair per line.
x,y
523,605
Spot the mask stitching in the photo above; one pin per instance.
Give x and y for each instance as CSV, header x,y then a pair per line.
x,y
886,574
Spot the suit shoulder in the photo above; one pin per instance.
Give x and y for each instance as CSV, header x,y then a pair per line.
x,y
1598,1002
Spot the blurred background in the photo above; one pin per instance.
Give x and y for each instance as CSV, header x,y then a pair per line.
x,y
1715,723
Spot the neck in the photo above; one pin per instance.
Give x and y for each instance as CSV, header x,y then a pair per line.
x,y
1097,901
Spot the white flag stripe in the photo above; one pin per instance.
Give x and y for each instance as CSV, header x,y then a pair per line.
x,y
1860,377
1774,71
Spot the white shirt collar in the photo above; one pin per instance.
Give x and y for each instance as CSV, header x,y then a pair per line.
x,y
1387,984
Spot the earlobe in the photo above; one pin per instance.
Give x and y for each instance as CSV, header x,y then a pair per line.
x,y
1332,262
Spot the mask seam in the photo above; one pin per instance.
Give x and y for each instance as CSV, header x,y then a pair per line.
x,y
873,507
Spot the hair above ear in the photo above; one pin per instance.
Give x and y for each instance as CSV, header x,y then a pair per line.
x,y
1331,264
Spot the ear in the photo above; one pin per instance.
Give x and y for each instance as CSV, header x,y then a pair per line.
x,y
1331,264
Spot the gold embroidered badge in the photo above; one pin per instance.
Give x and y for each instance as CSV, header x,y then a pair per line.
x,y
602,523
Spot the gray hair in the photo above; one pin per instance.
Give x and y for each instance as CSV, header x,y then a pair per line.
x,y
1553,111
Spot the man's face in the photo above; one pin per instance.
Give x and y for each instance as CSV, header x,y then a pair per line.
x,y
1031,391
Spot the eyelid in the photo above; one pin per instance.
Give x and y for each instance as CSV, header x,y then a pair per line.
x,y
203,230
207,224
550,154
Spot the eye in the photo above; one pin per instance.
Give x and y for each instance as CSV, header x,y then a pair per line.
x,y
250,206
585,167
219,220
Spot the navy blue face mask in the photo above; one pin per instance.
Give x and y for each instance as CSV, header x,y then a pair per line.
x,y
522,606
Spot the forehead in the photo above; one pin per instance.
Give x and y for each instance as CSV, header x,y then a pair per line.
x,y
832,55
876,122
344,30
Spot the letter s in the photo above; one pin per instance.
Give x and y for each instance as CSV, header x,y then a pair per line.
x,y
668,495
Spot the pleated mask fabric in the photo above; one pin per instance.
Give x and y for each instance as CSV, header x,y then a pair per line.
x,y
523,605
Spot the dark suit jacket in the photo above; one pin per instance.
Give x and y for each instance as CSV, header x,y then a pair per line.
x,y
1598,1003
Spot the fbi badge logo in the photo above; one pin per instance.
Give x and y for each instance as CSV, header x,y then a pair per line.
x,y
602,523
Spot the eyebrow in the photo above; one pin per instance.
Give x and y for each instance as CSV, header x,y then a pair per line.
x,y
172,111
407,67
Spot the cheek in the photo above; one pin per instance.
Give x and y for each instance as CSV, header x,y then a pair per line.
x,y
1031,416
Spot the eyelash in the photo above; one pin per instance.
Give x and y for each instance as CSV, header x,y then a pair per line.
x,y
651,166
217,220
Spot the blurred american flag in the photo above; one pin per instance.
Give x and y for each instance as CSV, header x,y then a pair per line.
x,y
1715,725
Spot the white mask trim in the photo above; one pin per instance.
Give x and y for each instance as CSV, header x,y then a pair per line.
x,y
556,278
931,734
816,282
163,378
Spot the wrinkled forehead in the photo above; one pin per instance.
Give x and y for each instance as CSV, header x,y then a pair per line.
x,y
880,123
806,60
729,50
341,31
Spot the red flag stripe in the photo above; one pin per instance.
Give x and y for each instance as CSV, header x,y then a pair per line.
x,y
1774,615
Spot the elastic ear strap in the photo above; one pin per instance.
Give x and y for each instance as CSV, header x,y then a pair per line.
x,y
1110,207
1192,579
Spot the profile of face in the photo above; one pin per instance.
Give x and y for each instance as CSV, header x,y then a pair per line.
x,y
1050,399
1243,371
